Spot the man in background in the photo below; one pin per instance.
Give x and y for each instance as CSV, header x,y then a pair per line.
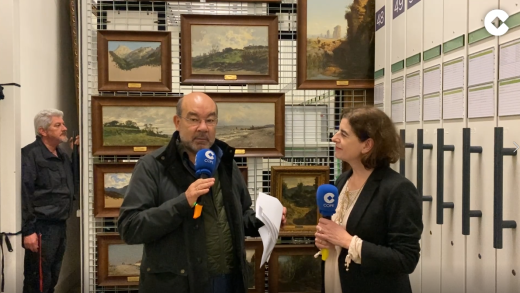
x,y
48,189
183,254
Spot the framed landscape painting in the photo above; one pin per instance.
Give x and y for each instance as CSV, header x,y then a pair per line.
x,y
118,263
252,123
293,268
131,125
229,49
336,44
255,273
134,61
110,184
295,187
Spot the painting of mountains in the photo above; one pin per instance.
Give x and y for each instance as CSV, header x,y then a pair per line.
x,y
115,188
134,61
229,49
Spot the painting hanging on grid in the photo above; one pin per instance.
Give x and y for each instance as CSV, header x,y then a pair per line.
x,y
336,44
134,61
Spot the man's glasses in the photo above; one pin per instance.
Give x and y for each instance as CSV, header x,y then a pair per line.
x,y
192,121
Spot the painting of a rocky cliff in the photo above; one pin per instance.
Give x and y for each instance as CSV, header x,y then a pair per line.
x,y
340,39
134,61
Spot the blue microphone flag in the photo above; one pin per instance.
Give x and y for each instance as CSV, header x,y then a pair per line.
x,y
327,199
205,163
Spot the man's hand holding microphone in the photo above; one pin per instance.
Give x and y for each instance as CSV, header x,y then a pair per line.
x,y
205,164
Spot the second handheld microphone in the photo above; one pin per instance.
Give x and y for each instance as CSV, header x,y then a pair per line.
x,y
205,163
327,199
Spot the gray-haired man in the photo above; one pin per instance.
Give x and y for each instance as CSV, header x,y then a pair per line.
x,y
47,195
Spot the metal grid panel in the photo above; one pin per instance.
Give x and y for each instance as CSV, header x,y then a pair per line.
x,y
311,115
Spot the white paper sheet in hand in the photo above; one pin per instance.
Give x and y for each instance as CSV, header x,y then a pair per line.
x,y
268,210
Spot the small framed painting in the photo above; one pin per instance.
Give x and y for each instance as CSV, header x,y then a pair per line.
x,y
295,187
118,263
229,49
110,184
134,61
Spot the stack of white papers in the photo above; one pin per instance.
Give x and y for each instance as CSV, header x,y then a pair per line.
x,y
268,210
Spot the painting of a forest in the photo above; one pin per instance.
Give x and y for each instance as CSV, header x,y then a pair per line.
x,y
246,125
134,61
299,273
115,188
235,50
299,197
340,39
137,126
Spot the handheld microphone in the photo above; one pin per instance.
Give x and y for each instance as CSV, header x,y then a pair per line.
x,y
327,199
205,163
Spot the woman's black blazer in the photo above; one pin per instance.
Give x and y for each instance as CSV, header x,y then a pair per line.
x,y
388,218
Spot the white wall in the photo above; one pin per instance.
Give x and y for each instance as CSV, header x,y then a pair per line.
x,y
36,52
450,261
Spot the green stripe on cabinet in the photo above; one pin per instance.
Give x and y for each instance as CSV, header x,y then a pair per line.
x,y
451,45
453,62
481,54
415,59
513,20
451,92
480,88
512,81
399,65
432,53
433,95
478,35
380,73
432,69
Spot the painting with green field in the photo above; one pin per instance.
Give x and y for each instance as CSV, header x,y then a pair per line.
x,y
137,125
134,61
227,49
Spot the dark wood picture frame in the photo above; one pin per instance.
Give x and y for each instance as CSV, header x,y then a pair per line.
x,y
187,75
100,210
104,84
103,278
243,171
278,99
98,102
321,175
259,272
289,250
306,84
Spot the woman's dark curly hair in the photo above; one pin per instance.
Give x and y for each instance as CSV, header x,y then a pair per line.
x,y
369,122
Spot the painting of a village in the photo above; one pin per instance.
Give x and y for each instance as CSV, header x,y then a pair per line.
x,y
124,260
134,61
115,188
340,39
246,125
238,50
137,126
